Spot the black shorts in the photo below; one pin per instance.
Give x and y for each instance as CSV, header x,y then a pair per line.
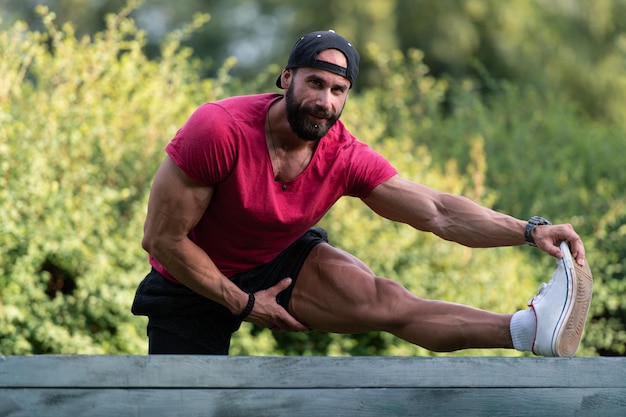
x,y
178,310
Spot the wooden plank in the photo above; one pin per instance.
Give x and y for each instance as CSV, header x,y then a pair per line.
x,y
155,386
382,402
308,372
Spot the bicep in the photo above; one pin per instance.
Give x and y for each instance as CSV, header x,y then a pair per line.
x,y
404,201
451,217
176,203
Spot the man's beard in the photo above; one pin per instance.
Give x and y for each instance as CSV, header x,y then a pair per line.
x,y
301,125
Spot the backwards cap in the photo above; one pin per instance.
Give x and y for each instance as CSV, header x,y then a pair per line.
x,y
306,49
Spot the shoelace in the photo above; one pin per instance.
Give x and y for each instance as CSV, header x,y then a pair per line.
x,y
542,289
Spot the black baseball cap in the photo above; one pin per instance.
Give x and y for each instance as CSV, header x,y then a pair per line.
x,y
304,54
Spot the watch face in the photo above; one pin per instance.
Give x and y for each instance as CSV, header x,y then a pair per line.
x,y
538,221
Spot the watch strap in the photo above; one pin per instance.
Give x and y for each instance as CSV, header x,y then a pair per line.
x,y
533,222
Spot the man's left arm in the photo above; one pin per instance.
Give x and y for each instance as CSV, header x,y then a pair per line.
x,y
461,220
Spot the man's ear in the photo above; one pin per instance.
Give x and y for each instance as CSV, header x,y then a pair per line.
x,y
285,78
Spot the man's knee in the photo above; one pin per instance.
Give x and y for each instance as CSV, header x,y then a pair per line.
x,y
387,303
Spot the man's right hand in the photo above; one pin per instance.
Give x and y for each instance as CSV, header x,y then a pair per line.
x,y
268,313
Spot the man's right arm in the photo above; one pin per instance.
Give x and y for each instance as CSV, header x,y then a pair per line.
x,y
175,206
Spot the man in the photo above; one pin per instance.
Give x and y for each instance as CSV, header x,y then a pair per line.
x,y
230,229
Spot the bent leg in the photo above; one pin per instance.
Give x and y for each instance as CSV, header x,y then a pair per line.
x,y
338,293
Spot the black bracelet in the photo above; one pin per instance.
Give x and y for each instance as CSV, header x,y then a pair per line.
x,y
246,311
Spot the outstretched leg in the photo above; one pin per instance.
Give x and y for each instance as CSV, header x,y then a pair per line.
x,y
338,293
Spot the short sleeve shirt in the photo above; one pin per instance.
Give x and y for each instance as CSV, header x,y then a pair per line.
x,y
251,217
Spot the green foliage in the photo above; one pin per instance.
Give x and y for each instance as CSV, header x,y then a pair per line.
x,y
575,47
607,330
82,127
529,136
84,119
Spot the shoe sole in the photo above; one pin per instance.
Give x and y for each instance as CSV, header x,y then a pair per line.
x,y
568,337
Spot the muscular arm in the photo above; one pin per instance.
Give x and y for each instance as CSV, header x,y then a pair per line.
x,y
175,206
458,219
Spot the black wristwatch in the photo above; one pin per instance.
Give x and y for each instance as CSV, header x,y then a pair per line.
x,y
530,226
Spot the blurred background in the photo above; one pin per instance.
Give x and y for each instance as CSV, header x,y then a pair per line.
x,y
572,45
520,105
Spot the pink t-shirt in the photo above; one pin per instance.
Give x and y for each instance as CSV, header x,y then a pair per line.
x,y
250,218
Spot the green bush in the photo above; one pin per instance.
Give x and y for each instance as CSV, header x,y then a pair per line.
x,y
82,126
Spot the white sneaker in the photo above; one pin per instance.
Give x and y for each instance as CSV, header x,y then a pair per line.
x,y
561,308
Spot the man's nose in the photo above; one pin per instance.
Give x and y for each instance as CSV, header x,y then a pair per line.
x,y
324,99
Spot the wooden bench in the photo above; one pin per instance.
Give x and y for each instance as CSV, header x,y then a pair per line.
x,y
153,386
